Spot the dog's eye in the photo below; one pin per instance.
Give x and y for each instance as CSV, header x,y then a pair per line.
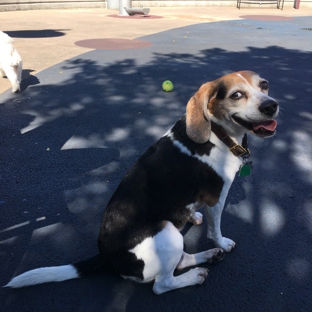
x,y
236,95
264,85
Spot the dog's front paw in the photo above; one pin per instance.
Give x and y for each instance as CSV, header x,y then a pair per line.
x,y
16,89
226,244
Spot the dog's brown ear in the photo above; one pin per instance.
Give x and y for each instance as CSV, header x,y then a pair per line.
x,y
198,127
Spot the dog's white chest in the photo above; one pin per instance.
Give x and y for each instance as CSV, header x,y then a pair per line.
x,y
224,163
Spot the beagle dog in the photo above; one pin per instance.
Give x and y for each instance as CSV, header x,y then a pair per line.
x,y
191,166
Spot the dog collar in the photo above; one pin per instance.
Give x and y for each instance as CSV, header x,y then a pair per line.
x,y
236,149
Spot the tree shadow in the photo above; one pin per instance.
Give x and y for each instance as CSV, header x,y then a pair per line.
x,y
65,146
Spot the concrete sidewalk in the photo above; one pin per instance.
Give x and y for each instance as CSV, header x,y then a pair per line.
x,y
47,37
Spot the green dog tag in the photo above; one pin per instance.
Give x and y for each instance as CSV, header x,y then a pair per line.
x,y
245,169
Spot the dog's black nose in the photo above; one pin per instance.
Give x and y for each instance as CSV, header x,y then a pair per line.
x,y
268,107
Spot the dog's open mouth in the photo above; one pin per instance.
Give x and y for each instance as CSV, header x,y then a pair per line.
x,y
264,128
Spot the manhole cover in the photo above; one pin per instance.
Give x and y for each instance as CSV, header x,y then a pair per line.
x,y
266,17
113,44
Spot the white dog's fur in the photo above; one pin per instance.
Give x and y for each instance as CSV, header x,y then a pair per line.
x,y
11,64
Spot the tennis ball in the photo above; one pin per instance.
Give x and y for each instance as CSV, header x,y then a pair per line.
x,y
167,86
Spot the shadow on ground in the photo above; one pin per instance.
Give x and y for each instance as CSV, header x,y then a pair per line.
x,y
36,33
66,146
28,79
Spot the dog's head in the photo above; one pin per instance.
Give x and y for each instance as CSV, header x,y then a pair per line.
x,y
237,101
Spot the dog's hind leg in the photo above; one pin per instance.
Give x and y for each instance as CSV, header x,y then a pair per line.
x,y
168,282
161,255
209,256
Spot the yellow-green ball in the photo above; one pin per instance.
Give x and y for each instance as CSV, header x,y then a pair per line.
x,y
167,86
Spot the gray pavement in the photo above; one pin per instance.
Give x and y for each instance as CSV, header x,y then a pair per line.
x,y
75,129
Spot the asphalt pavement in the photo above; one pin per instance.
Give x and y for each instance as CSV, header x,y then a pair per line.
x,y
89,108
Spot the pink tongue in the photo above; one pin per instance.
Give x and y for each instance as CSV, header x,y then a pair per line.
x,y
267,125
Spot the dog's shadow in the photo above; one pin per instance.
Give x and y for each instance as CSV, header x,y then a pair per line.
x,y
28,79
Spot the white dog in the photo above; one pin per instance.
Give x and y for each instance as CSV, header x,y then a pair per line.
x,y
11,64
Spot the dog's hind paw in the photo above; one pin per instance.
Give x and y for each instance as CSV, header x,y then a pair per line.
x,y
215,255
199,274
197,218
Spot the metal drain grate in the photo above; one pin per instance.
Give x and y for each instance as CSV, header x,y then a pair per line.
x,y
306,29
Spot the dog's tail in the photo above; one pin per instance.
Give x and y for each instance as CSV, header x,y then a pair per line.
x,y
56,273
